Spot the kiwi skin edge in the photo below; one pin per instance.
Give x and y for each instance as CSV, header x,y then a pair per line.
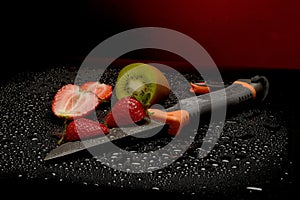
x,y
153,77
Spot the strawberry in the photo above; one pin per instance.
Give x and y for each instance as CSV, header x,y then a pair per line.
x,y
83,128
71,102
103,91
126,111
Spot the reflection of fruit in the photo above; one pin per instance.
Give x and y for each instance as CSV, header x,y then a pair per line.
x,y
103,91
144,82
71,102
126,111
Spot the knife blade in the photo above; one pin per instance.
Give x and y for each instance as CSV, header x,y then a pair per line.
x,y
114,134
241,90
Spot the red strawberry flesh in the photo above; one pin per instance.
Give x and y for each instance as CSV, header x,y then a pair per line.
x,y
72,102
103,91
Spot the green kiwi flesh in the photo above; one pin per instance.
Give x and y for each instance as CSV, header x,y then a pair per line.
x,y
144,82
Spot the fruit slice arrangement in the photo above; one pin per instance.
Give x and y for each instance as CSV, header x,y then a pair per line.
x,y
73,102
138,87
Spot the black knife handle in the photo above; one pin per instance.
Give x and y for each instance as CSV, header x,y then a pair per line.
x,y
242,90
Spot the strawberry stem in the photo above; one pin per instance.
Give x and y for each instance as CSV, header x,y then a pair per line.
x,y
60,140
63,133
103,100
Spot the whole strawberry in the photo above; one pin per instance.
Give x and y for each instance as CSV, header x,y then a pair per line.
x,y
125,111
82,128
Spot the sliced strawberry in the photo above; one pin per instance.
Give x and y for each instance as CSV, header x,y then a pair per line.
x,y
83,128
71,102
103,91
126,111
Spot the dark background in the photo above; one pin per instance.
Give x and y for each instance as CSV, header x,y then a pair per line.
x,y
257,34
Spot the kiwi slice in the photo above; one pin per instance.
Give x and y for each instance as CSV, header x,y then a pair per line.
x,y
144,82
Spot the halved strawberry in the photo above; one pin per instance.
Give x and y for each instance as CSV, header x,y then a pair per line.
x,y
103,91
83,128
71,102
126,111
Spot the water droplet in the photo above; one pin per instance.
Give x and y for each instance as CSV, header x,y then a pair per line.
x,y
136,163
177,150
215,164
254,188
226,158
231,122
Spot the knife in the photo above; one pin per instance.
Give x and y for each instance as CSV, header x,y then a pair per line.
x,y
241,90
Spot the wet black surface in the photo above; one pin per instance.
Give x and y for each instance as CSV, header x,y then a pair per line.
x,y
254,158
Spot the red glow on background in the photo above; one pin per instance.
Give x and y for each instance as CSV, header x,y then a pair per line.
x,y
236,33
